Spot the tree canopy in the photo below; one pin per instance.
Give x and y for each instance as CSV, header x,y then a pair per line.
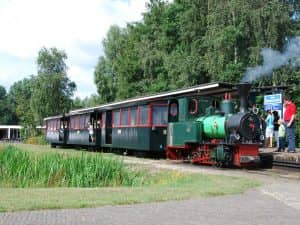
x,y
189,42
7,115
175,45
52,89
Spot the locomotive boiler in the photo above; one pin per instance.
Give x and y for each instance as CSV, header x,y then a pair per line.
x,y
205,131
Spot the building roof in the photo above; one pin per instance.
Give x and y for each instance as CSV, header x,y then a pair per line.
x,y
10,126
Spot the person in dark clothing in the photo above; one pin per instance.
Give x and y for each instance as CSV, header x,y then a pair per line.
x,y
276,126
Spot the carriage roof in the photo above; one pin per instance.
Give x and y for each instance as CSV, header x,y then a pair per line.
x,y
212,89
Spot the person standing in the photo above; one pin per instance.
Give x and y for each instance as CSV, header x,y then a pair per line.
x,y
289,121
276,126
91,132
281,136
269,128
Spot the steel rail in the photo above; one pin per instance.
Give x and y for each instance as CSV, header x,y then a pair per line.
x,y
286,164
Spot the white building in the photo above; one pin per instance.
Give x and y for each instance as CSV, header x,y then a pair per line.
x,y
10,132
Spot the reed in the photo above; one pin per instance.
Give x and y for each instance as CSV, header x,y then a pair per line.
x,y
23,169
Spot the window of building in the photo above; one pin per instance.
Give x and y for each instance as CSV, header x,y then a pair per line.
x,y
159,114
144,114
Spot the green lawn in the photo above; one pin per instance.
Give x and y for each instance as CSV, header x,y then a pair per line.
x,y
164,185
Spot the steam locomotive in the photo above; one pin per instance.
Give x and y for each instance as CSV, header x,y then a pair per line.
x,y
219,137
199,124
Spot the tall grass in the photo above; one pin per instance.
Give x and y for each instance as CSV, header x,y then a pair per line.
x,y
22,169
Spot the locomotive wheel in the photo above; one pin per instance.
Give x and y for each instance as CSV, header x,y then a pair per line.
x,y
218,165
266,160
53,146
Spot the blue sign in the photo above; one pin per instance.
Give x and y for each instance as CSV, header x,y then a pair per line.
x,y
273,102
273,99
273,107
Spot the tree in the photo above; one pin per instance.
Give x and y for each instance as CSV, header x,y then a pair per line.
x,y
7,115
52,89
105,80
19,95
189,42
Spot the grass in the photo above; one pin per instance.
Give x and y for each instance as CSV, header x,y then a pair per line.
x,y
155,186
23,169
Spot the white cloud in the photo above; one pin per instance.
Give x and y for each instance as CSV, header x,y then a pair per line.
x,y
71,25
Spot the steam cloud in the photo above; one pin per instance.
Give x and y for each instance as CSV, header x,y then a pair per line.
x,y
273,59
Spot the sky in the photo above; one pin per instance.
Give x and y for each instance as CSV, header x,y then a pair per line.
x,y
75,26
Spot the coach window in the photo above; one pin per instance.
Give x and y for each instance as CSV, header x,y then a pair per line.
x,y
124,117
50,125
103,120
144,114
159,114
82,121
56,124
133,116
193,106
116,116
174,109
72,123
87,121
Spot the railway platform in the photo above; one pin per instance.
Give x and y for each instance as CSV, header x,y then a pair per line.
x,y
283,158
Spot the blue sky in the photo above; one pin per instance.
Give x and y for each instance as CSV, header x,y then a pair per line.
x,y
76,26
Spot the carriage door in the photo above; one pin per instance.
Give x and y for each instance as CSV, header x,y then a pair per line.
x,y
92,127
61,130
66,128
97,117
108,127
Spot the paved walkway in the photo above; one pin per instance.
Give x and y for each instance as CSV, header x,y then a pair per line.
x,y
277,203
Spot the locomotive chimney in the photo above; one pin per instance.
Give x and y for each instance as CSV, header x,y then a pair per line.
x,y
243,91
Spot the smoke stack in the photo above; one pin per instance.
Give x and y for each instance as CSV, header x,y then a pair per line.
x,y
243,91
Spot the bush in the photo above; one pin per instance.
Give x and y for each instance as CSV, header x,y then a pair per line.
x,y
22,169
37,140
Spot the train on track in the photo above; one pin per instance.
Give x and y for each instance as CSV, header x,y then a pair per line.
x,y
200,124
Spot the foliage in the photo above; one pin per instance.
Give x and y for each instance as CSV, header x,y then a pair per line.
x,y
7,114
52,89
20,169
36,140
152,185
19,95
91,101
189,42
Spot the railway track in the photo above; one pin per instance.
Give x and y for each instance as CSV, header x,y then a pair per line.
x,y
285,164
